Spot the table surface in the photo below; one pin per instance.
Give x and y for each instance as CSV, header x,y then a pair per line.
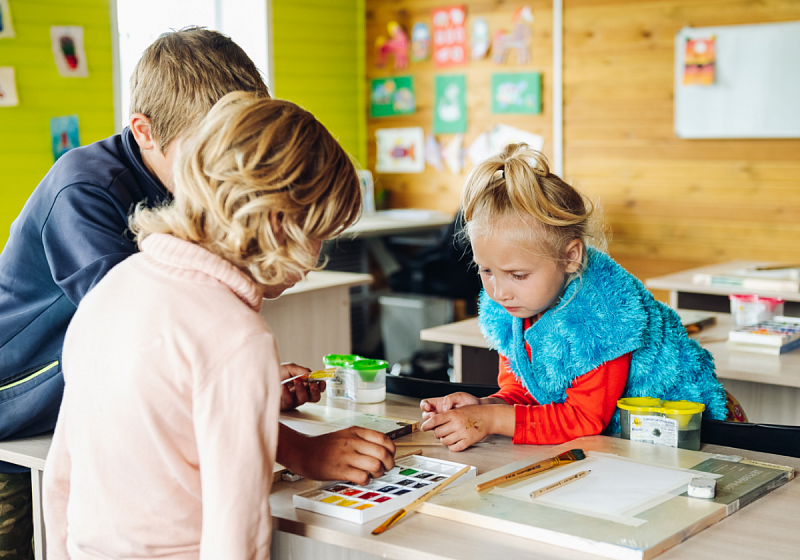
x,y
397,221
731,364
767,524
682,281
321,279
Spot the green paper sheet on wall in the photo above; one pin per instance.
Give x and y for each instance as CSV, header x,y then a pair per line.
x,y
450,107
392,96
517,93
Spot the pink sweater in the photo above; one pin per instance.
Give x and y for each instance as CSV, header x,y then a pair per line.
x,y
167,432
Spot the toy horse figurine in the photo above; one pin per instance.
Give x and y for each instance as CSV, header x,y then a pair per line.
x,y
397,44
519,38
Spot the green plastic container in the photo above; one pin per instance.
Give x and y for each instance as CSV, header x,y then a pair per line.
x,y
340,360
370,380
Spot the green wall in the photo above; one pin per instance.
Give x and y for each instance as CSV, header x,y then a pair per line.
x,y
319,64
25,153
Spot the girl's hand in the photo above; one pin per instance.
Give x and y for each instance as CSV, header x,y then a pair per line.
x,y
432,407
461,427
299,391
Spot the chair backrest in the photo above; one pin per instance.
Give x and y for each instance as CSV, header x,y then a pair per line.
x,y
766,438
429,389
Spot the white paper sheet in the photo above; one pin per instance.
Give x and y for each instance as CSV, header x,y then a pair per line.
x,y
615,488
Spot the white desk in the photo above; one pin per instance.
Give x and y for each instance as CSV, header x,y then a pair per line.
x,y
397,221
768,387
31,453
769,524
312,318
681,282
764,528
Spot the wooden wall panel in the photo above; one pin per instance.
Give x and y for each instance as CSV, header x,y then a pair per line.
x,y
441,190
671,203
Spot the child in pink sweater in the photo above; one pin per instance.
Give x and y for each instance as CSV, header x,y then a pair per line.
x,y
168,428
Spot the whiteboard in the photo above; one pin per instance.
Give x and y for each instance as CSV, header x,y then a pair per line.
x,y
756,93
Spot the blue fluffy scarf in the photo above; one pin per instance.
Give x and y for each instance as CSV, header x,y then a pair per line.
x,y
601,316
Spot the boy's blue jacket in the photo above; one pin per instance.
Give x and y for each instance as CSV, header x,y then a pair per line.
x,y
601,316
70,233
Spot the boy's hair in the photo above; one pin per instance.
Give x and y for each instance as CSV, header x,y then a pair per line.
x,y
518,183
183,74
251,161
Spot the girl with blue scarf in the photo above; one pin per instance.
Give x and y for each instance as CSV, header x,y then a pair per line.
x,y
575,331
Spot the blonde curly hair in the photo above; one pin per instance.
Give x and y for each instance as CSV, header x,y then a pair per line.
x,y
250,164
518,183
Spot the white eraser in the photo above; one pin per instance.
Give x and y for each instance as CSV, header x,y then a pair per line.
x,y
702,488
290,476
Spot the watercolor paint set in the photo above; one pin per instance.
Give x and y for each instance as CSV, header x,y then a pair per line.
x,y
410,478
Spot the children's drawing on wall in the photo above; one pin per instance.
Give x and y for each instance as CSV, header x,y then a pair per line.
x,y
480,39
8,87
518,39
367,190
397,45
392,96
6,29
67,43
699,65
518,93
400,150
453,154
420,42
64,135
502,135
449,36
487,144
433,153
450,105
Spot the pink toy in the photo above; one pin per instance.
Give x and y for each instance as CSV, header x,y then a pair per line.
x,y
519,38
397,44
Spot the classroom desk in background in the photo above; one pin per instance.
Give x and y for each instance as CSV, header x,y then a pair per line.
x,y
768,387
312,319
685,294
767,526
395,222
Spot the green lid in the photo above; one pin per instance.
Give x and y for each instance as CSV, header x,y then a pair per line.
x,y
368,369
340,360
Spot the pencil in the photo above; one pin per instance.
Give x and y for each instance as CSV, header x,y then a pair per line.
x,y
567,457
559,484
418,502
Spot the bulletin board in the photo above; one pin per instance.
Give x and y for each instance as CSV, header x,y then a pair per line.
x,y
439,188
756,88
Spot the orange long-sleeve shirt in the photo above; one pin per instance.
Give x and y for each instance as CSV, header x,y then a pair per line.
x,y
591,402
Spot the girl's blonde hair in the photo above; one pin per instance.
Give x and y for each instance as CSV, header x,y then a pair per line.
x,y
250,163
518,183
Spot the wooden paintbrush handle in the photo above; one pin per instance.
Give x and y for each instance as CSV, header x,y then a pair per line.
x,y
538,467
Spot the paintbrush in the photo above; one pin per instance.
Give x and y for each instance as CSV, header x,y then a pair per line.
x,y
565,458
413,506
559,484
314,376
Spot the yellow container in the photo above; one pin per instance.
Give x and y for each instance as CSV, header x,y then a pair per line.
x,y
670,423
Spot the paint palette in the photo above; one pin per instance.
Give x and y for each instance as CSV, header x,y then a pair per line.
x,y
410,478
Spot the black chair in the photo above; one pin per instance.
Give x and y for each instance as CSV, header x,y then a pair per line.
x,y
444,269
427,388
766,438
